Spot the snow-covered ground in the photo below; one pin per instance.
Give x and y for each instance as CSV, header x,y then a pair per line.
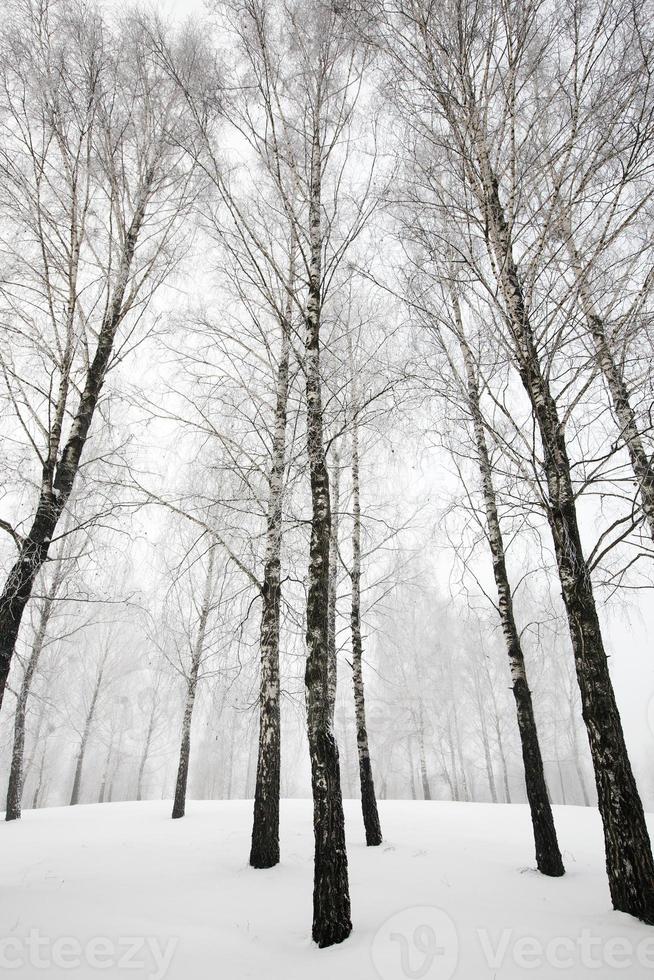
x,y
123,890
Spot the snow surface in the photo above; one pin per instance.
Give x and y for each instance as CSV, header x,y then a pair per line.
x,y
97,878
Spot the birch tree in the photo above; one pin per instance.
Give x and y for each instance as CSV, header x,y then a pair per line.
x,y
368,798
197,654
548,856
45,610
94,189
90,717
253,228
312,86
486,71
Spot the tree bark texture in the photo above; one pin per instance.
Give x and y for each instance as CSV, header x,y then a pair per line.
x,y
90,715
331,896
629,862
264,850
179,803
548,853
16,772
335,485
59,472
368,799
641,463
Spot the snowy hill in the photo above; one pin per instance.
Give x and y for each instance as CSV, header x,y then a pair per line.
x,y
123,890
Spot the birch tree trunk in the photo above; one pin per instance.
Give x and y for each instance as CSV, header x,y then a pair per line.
x,y
368,800
641,463
179,803
88,724
458,742
629,863
455,776
59,472
41,734
113,769
106,769
331,897
229,769
490,775
16,773
412,768
505,770
561,781
548,854
424,778
335,484
346,767
264,851
146,751
36,798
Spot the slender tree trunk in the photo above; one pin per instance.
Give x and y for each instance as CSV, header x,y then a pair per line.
x,y
465,788
39,736
368,800
16,772
498,732
548,853
36,798
629,863
335,486
16,775
250,774
58,476
331,896
446,773
575,747
105,771
424,779
179,803
114,769
418,714
79,767
412,769
146,752
264,850
561,781
505,770
490,775
346,769
20,581
641,463
455,775
230,761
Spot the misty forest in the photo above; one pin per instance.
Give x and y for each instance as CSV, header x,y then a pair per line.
x,y
327,488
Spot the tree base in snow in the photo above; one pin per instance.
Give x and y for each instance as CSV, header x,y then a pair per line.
x,y
264,855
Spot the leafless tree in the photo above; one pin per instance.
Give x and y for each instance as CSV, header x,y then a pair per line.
x,y
469,83
94,190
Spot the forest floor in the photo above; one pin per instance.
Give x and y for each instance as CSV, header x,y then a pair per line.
x,y
121,890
